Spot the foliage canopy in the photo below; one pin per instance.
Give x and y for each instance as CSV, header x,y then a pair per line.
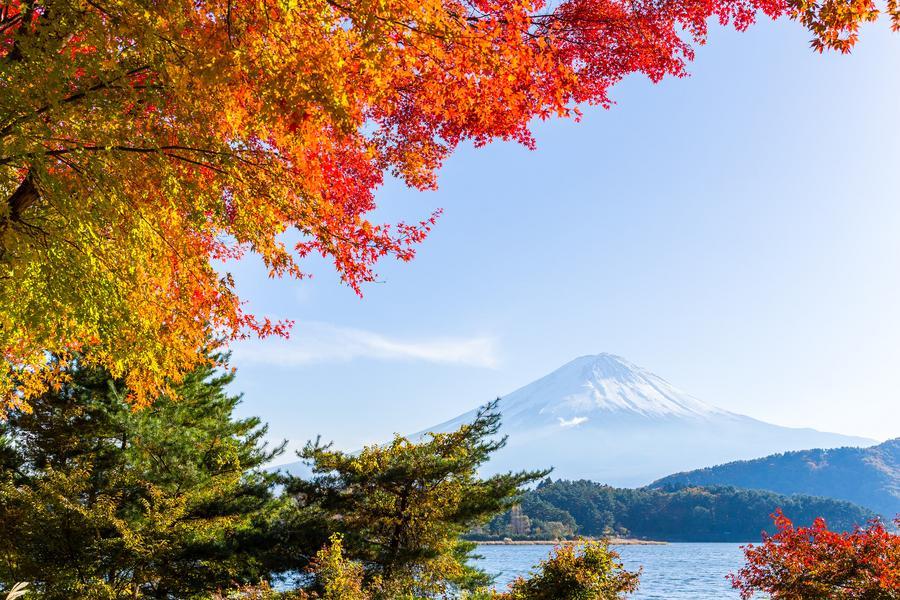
x,y
142,142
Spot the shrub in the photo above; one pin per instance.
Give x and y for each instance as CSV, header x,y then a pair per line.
x,y
339,577
589,571
814,563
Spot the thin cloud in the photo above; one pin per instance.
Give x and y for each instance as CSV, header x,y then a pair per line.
x,y
573,422
315,342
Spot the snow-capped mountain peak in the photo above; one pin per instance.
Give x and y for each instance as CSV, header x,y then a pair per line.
x,y
601,417
604,383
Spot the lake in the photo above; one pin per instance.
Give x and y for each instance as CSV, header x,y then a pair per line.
x,y
671,571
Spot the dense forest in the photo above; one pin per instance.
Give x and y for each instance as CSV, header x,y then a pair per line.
x,y
559,509
869,477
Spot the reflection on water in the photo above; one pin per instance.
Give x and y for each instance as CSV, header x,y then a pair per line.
x,y
671,571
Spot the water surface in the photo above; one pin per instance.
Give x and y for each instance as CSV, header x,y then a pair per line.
x,y
671,571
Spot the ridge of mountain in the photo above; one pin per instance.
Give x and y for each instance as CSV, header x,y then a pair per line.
x,y
869,477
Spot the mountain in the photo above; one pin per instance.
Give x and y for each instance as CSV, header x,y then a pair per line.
x,y
869,477
604,419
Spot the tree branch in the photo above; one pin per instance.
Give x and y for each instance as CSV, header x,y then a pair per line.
x,y
25,196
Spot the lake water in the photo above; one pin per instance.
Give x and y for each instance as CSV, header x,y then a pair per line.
x,y
671,571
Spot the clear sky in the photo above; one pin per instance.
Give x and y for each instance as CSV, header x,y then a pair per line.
x,y
736,232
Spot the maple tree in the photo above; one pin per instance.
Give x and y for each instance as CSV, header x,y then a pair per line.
x,y
814,563
142,141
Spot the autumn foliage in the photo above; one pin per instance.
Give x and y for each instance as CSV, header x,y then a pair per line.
x,y
143,144
589,571
814,563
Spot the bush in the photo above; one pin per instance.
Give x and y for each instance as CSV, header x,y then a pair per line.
x,y
590,571
814,563
339,578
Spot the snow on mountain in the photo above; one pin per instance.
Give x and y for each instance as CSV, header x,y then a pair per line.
x,y
606,419
602,386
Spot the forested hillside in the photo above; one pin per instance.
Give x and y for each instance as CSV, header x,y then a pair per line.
x,y
557,509
869,477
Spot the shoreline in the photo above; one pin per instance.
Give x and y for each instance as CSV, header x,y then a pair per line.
x,y
611,541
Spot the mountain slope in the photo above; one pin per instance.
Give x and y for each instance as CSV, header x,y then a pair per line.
x,y
608,420
869,477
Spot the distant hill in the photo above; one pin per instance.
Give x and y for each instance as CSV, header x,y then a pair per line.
x,y
713,514
869,477
605,419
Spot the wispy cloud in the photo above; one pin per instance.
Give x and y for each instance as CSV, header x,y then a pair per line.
x,y
573,422
316,342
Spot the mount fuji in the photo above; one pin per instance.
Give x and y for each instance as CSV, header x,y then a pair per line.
x,y
605,419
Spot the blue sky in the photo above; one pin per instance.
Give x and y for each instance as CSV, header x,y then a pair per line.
x,y
736,232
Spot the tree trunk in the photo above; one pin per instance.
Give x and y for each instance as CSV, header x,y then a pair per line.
x,y
397,534
25,196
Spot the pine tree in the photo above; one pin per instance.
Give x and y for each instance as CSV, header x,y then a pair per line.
x,y
100,501
402,507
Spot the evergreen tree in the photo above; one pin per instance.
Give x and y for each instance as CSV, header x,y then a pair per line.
x,y
103,502
402,507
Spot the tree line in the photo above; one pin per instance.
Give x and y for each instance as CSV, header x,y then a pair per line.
x,y
565,509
